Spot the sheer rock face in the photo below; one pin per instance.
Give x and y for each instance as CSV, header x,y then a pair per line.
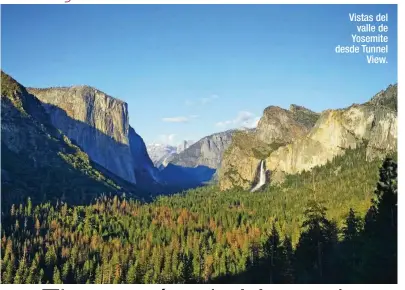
x,y
374,122
97,122
283,126
276,128
37,157
144,169
206,152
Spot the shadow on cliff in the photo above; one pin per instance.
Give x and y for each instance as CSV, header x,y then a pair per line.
x,y
150,182
44,167
115,152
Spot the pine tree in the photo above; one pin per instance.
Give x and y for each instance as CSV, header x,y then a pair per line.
x,y
287,269
315,246
56,276
8,276
187,268
272,251
21,272
66,272
131,274
380,252
352,227
349,258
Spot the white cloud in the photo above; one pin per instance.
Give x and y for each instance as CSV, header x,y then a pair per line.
x,y
209,99
180,119
242,119
203,101
255,122
167,138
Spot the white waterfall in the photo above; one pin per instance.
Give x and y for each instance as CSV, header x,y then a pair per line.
x,y
262,179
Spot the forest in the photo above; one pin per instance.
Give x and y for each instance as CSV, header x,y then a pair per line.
x,y
334,224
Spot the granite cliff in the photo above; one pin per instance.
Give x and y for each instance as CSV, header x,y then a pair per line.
x,y
207,151
276,128
99,124
38,160
298,140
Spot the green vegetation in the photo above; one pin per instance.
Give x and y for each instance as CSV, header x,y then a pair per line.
x,y
9,87
264,150
304,116
243,140
306,230
39,161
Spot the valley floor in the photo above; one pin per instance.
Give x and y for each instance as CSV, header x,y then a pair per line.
x,y
330,225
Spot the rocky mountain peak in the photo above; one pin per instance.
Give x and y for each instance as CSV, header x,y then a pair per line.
x,y
207,151
310,139
387,98
99,124
282,126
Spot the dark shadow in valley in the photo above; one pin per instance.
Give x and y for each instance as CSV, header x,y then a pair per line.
x,y
22,176
171,179
180,178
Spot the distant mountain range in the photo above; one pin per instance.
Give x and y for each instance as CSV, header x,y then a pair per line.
x,y
42,129
74,143
162,153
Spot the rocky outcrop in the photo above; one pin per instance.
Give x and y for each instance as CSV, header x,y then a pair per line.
x,y
282,126
40,161
206,152
99,124
336,131
145,171
374,123
184,145
276,128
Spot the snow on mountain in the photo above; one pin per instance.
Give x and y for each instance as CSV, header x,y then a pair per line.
x,y
161,154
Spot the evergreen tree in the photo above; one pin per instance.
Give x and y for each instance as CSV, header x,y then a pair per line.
x,y
348,259
56,276
315,246
287,269
380,253
273,254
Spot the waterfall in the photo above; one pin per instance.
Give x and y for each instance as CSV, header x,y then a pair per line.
x,y
262,179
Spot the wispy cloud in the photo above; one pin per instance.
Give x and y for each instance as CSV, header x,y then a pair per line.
x,y
255,122
201,101
179,119
242,119
209,99
167,138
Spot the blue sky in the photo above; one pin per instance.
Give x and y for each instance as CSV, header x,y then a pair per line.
x,y
189,71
